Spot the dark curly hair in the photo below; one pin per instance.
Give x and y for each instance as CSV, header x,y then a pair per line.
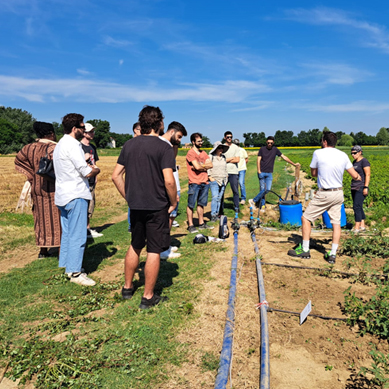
x,y
43,129
71,120
150,118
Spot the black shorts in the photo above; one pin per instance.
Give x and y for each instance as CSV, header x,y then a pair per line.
x,y
151,227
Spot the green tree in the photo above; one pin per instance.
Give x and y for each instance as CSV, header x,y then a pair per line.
x,y
371,140
346,140
256,139
283,138
206,142
314,137
303,138
120,138
382,136
22,119
10,137
102,132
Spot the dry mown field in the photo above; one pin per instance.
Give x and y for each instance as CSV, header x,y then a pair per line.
x,y
318,354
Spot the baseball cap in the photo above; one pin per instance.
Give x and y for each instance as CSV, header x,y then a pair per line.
x,y
88,127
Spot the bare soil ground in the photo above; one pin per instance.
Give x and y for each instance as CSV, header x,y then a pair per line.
x,y
319,354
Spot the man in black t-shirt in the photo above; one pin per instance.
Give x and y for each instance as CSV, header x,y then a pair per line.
x,y
265,166
91,157
150,190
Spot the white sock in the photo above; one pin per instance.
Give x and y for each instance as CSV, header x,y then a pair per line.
x,y
334,248
165,253
306,245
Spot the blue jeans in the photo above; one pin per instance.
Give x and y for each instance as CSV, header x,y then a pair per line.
x,y
129,219
265,181
175,210
242,175
217,195
74,220
198,193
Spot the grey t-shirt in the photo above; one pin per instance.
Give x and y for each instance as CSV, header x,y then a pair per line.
x,y
359,167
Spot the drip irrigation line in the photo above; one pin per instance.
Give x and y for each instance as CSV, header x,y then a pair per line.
x,y
311,314
226,352
343,273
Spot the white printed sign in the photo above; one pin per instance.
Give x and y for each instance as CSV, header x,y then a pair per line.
x,y
305,312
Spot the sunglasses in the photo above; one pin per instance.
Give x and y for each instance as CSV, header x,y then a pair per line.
x,y
228,137
354,152
82,127
270,143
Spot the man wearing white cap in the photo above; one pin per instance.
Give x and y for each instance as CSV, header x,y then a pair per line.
x,y
91,157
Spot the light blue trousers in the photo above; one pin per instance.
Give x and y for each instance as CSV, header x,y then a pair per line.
x,y
74,221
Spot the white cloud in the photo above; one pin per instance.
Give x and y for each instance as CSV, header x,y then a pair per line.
x,y
83,72
374,35
228,56
334,73
121,62
258,106
356,106
40,90
118,43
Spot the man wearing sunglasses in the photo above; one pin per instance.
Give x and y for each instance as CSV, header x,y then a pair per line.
x,y
91,157
265,166
72,195
232,157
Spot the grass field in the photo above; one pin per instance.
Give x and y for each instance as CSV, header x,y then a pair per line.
x,y
56,334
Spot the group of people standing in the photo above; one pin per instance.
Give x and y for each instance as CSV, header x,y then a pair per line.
x,y
146,175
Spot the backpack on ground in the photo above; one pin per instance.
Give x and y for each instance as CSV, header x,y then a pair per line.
x,y
224,232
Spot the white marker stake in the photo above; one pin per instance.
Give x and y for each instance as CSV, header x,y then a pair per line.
x,y
305,312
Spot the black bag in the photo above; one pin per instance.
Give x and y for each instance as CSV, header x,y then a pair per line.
x,y
46,168
200,238
224,232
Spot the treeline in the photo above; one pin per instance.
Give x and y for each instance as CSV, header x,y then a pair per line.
x,y
16,130
313,137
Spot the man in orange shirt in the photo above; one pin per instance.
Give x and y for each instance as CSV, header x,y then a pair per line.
x,y
197,164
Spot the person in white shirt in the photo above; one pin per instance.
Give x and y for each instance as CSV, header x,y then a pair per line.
x,y
72,195
242,167
175,132
328,165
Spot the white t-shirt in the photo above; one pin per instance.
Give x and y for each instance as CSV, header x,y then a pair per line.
x,y
331,164
175,173
242,163
70,172
233,151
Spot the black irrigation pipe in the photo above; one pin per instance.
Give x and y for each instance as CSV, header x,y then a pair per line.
x,y
343,273
226,352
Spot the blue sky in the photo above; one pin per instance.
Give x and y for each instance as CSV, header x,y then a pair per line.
x,y
247,66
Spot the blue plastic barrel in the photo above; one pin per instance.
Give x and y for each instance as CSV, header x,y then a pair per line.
x,y
343,219
291,212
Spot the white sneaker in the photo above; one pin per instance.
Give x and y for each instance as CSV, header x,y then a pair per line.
x,y
169,254
175,224
252,204
173,248
242,202
82,279
93,233
70,274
